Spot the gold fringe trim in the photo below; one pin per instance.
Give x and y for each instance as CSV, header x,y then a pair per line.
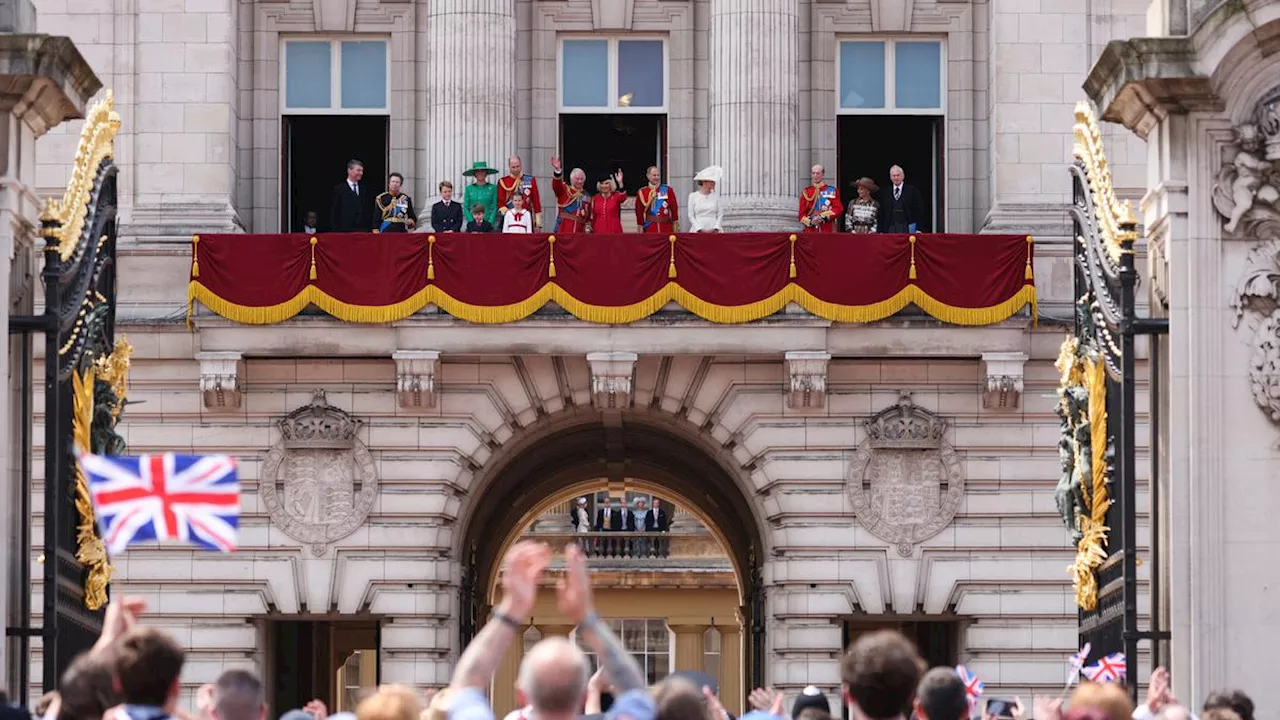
x,y
195,256
791,268
671,266
671,292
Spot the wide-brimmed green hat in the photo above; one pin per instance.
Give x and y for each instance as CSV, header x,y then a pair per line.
x,y
479,166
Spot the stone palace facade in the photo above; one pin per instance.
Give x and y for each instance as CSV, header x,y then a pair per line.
x,y
448,437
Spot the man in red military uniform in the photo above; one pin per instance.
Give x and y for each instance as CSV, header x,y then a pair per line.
x,y
516,182
573,205
656,208
606,207
820,206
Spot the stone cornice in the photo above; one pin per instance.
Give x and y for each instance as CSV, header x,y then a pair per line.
x,y
48,75
1138,82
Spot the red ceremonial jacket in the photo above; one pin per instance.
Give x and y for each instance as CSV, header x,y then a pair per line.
x,y
508,186
570,222
810,198
667,218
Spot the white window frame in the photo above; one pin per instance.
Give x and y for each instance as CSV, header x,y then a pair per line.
x,y
671,641
613,107
335,75
890,75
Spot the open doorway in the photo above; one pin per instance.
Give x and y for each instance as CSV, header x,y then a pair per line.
x,y
600,144
869,145
316,151
336,662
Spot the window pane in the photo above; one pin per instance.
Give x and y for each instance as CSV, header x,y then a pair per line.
x,y
640,73
306,82
862,75
364,74
584,79
918,75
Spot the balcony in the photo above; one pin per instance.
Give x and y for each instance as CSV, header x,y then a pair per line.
x,y
365,294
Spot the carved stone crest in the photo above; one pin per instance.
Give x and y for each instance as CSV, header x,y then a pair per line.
x,y
905,480
1248,195
319,482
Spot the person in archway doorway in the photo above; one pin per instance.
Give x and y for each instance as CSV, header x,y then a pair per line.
x,y
350,211
820,207
517,182
656,208
608,519
310,222
901,209
606,207
656,521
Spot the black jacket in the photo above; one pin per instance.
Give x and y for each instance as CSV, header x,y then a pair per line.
x,y
616,520
656,521
446,219
912,207
349,212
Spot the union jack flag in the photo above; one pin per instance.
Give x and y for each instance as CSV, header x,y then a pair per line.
x,y
192,498
1077,662
1108,669
972,685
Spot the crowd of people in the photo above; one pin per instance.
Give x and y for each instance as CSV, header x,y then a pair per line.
x,y
621,518
133,673
513,204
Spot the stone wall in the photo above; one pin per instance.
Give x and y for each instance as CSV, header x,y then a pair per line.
x,y
1000,564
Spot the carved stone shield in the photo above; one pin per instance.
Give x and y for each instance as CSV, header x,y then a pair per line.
x,y
905,480
319,482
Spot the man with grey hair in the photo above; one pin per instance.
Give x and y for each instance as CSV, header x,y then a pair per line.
x,y
901,207
573,204
554,673
237,695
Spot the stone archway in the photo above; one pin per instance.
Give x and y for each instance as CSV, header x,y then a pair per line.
x,y
570,449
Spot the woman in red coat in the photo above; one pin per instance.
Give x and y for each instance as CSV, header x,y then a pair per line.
x,y
606,206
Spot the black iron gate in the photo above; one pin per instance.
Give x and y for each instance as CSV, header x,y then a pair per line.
x,y
85,372
1098,493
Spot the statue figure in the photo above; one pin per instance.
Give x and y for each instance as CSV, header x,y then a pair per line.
x,y
1248,176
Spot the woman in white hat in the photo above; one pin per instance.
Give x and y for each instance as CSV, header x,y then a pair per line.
x,y
704,209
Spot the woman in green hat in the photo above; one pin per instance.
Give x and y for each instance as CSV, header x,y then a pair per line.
x,y
481,192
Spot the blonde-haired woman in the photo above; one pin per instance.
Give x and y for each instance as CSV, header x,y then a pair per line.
x,y
704,209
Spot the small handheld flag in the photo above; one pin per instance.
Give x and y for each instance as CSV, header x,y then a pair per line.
x,y
972,685
191,498
1077,662
1108,669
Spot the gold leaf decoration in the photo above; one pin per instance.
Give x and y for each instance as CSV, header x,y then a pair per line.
x,y
97,143
1110,213
90,551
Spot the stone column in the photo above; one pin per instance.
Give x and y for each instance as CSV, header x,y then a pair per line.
x,y
754,91
690,641
469,107
731,694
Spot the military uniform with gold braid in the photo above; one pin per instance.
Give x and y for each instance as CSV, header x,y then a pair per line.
x,y
396,212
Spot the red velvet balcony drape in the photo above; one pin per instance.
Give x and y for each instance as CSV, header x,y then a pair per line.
x,y
726,278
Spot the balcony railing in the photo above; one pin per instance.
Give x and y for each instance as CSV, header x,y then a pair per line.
x,y
613,279
684,550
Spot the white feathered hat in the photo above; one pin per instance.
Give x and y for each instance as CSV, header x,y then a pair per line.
x,y
712,173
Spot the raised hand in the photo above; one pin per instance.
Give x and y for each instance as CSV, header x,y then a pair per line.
x,y
1018,711
556,165
522,567
317,708
573,591
714,706
763,699
617,177
1158,690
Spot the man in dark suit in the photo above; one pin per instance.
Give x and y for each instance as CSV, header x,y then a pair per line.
x,y
350,210
610,519
655,520
901,207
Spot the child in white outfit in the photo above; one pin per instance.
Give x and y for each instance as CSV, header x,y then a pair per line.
x,y
517,219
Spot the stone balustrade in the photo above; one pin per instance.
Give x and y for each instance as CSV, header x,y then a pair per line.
x,y
680,548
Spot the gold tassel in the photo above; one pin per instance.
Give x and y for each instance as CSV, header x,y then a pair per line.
x,y
912,273
1028,275
313,256
791,271
671,266
551,243
431,262
195,256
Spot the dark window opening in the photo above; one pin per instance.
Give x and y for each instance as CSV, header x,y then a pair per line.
x,y
600,144
316,151
868,145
